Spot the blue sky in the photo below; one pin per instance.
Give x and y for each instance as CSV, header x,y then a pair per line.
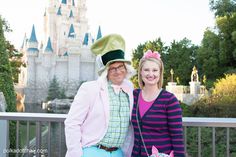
x,y
136,20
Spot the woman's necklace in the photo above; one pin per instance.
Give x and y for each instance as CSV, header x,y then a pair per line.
x,y
150,97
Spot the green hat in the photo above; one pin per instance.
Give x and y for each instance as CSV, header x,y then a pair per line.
x,y
110,48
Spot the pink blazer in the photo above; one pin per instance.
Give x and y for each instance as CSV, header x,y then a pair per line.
x,y
87,120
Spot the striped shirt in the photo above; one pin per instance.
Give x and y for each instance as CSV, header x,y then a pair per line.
x,y
161,126
119,119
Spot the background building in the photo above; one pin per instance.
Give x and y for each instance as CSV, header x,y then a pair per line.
x,y
64,52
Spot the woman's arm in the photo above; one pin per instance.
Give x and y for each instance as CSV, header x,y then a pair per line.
x,y
174,113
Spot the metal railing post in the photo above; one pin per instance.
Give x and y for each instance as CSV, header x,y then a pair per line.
x,y
4,138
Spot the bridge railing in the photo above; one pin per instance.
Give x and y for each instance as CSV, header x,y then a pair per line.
x,y
42,134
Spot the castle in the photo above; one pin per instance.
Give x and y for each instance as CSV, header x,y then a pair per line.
x,y
64,52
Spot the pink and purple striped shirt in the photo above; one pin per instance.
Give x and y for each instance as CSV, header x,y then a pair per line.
x,y
161,126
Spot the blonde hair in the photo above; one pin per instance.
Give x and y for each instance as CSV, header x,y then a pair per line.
x,y
159,62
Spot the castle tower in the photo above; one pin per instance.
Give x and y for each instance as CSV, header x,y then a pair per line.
x,y
31,54
64,52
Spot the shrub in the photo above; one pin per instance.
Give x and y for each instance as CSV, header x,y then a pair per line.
x,y
225,86
222,103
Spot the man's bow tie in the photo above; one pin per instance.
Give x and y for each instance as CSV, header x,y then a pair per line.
x,y
116,88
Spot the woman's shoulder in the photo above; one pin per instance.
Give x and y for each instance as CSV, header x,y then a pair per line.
x,y
170,97
167,94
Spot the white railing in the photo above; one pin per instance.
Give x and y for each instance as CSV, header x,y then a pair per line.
x,y
43,125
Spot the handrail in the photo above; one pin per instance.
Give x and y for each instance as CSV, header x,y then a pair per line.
x,y
198,122
209,122
41,117
50,117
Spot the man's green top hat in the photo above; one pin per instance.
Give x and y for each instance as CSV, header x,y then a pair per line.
x,y
109,49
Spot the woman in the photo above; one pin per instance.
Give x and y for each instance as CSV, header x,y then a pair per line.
x,y
158,112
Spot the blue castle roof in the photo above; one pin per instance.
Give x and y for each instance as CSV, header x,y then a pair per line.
x,y
99,35
33,36
86,38
65,54
59,11
71,14
49,46
64,1
71,31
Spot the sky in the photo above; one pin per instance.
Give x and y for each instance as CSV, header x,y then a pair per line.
x,y
137,21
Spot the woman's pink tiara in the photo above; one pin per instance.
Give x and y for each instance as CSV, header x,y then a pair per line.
x,y
151,54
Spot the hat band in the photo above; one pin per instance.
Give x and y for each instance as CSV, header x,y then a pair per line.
x,y
112,55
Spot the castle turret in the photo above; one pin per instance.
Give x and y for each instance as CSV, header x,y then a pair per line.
x,y
32,47
48,58
31,54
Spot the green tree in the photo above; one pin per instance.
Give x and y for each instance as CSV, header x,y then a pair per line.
x,y
227,26
54,90
207,58
181,58
225,13
223,7
217,53
13,54
16,62
6,81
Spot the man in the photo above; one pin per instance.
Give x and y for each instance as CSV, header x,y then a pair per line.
x,y
98,123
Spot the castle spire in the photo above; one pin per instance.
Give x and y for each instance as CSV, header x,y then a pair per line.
x,y
86,38
33,36
71,31
32,43
64,1
59,11
23,43
71,14
99,35
49,46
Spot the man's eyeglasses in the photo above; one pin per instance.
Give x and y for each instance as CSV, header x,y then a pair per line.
x,y
115,69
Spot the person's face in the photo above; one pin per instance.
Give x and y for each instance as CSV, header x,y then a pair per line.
x,y
117,72
150,73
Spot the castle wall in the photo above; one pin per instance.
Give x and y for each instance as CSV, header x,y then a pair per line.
x,y
61,70
70,70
